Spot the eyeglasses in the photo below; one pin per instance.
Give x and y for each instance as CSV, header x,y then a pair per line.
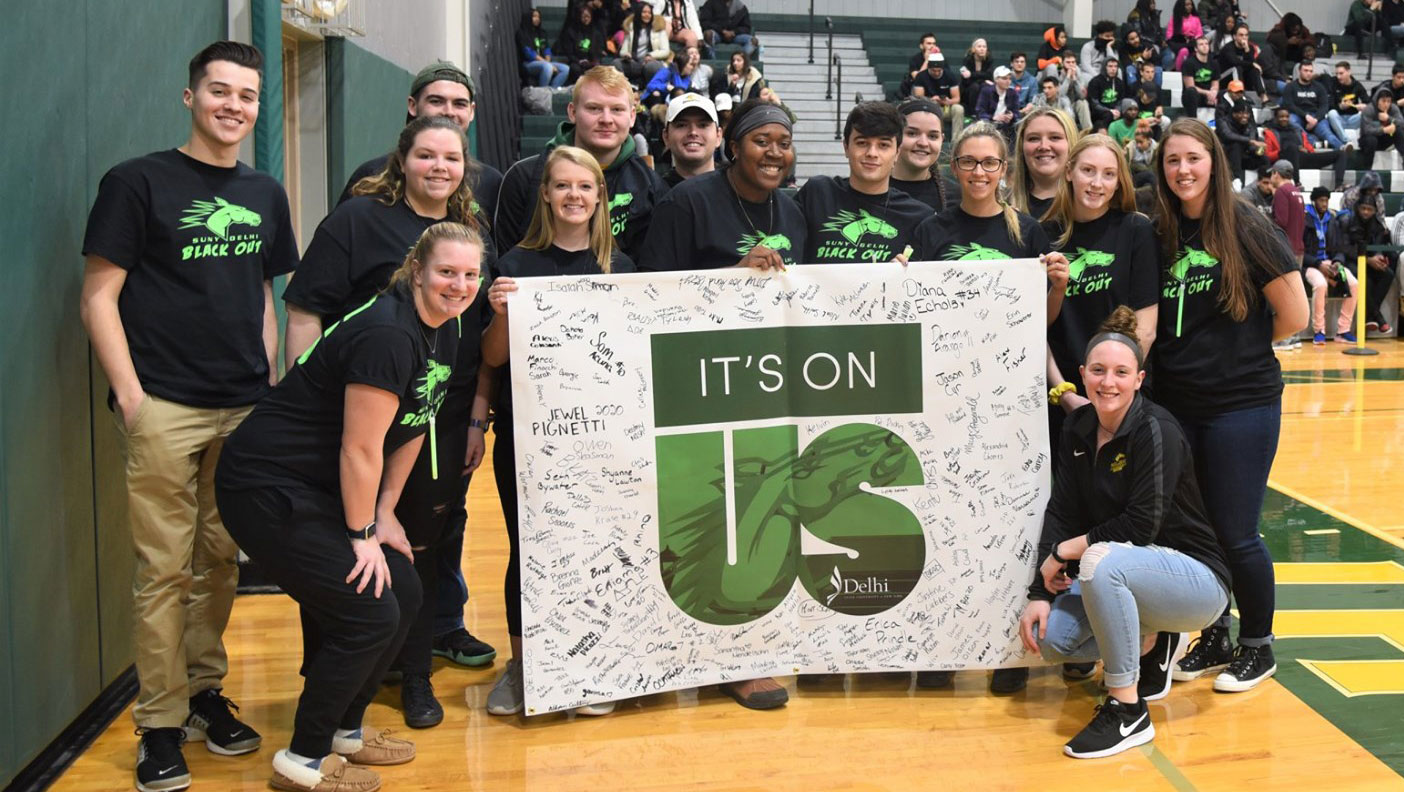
x,y
988,164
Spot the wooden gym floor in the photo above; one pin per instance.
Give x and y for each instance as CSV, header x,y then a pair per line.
x,y
1333,718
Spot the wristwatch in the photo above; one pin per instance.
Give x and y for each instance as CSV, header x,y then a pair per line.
x,y
365,533
474,423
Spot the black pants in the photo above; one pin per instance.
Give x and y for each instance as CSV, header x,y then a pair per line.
x,y
504,467
1335,160
1369,144
1242,155
349,639
1192,101
432,512
1377,285
1362,32
1101,116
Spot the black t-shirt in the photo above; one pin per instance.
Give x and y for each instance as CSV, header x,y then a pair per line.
x,y
936,86
1202,72
197,242
701,224
1037,206
1205,362
484,180
847,226
352,256
292,439
1112,261
953,235
634,191
928,191
522,263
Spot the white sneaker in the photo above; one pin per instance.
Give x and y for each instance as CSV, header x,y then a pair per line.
x,y
596,710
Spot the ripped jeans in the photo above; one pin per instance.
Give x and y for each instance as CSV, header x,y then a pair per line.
x,y
1122,592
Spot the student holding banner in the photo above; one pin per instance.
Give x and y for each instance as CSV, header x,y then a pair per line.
x,y
1126,511
862,218
1040,157
1113,262
736,215
351,257
569,235
984,226
309,484
1230,286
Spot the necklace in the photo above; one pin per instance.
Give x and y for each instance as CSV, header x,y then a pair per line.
x,y
433,345
769,203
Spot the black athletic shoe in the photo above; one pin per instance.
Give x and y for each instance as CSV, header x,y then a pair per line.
x,y
1155,666
160,765
1211,652
935,680
1009,680
461,647
212,721
1113,729
1251,665
1076,672
417,700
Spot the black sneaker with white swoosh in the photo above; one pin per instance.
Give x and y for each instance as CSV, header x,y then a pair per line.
x,y
212,721
1114,728
1156,666
160,766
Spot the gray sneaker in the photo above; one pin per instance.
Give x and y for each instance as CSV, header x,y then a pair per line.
x,y
508,692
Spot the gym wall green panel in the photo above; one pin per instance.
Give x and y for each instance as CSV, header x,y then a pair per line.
x,y
110,92
365,109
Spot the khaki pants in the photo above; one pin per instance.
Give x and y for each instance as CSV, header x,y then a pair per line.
x,y
186,564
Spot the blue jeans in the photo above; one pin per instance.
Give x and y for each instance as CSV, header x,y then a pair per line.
x,y
547,73
451,592
1342,122
1124,591
742,40
1233,453
1322,131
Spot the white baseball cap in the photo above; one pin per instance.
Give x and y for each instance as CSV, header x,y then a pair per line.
x,y
724,102
691,101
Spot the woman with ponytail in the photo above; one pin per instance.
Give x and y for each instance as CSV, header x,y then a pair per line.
x,y
985,226
1229,287
1127,522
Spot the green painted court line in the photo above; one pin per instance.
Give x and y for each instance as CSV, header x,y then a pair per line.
x,y
1167,768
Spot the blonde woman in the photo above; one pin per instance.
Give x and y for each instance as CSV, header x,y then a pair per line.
x,y
1040,159
309,484
569,235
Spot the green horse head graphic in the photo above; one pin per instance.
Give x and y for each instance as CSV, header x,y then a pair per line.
x,y
620,199
217,216
1191,257
977,252
1087,258
435,375
854,227
772,241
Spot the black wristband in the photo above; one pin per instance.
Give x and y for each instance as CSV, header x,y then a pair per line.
x,y
1054,552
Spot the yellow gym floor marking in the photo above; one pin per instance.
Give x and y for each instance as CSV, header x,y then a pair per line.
x,y
1353,678
1335,572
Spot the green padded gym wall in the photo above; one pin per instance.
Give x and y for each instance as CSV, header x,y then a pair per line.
x,y
365,109
86,86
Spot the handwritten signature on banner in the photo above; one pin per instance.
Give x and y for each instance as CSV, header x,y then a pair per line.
x,y
690,446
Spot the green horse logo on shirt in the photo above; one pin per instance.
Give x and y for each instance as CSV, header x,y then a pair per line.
x,y
217,216
1109,95
429,393
854,227
1203,75
1087,258
1191,258
620,199
775,242
976,252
